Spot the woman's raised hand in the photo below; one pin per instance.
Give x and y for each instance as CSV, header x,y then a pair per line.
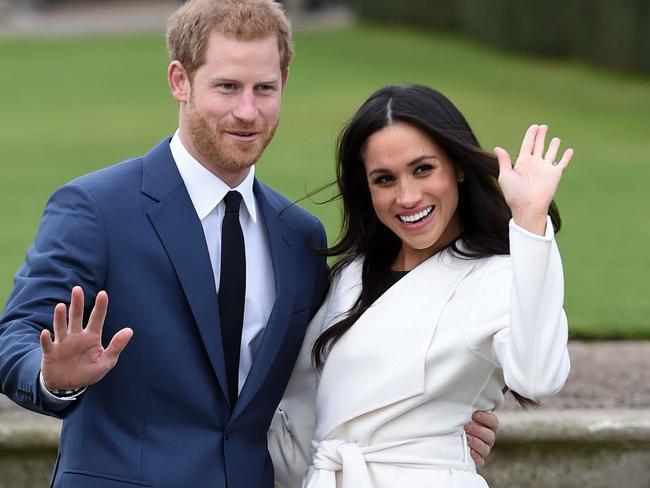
x,y
530,185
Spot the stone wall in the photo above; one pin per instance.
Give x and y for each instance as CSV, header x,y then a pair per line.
x,y
562,449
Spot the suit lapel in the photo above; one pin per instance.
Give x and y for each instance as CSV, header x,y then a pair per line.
x,y
181,234
281,235
392,336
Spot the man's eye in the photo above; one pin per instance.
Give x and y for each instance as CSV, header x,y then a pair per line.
x,y
226,86
265,89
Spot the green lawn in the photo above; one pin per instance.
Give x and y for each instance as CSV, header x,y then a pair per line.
x,y
72,106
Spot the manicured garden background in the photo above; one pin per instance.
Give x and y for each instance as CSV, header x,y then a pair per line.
x,y
75,105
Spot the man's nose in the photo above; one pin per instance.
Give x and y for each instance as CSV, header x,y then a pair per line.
x,y
246,108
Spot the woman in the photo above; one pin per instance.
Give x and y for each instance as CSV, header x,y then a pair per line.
x,y
448,289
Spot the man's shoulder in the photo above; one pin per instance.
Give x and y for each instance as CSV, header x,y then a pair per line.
x,y
114,174
118,178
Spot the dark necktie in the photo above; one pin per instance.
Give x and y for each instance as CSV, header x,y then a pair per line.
x,y
232,289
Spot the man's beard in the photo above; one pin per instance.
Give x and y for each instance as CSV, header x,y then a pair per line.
x,y
218,149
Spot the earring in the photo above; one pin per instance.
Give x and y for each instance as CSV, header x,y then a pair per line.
x,y
461,178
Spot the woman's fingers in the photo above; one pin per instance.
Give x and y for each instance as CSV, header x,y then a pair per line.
x,y
553,147
529,140
540,140
534,144
566,158
503,157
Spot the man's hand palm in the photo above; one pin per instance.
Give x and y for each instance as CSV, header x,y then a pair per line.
x,y
76,357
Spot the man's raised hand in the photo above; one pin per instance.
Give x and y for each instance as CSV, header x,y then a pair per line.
x,y
75,358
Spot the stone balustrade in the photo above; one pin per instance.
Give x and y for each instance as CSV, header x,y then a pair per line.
x,y
535,449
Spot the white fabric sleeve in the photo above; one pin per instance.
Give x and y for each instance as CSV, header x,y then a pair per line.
x,y
533,350
517,320
293,425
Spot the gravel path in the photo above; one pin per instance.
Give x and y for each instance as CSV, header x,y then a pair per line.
x,y
605,374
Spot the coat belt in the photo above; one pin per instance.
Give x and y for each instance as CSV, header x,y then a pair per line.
x,y
332,455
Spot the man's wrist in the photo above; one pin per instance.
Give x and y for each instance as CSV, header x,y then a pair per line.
x,y
62,394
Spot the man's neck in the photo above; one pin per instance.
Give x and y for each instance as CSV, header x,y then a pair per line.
x,y
232,179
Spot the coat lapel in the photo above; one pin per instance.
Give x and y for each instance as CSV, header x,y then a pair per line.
x,y
381,359
181,234
281,235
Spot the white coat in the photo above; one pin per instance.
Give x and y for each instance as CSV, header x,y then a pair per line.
x,y
389,407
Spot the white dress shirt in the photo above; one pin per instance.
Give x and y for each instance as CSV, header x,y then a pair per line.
x,y
207,192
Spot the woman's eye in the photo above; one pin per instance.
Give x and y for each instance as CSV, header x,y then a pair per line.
x,y
382,180
423,169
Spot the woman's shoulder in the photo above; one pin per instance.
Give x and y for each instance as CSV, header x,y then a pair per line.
x,y
346,278
350,270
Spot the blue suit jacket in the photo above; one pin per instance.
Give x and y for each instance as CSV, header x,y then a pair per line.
x,y
161,417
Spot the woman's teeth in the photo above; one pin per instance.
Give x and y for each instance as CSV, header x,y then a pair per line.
x,y
411,219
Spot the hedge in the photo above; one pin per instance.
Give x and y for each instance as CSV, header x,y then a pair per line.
x,y
612,33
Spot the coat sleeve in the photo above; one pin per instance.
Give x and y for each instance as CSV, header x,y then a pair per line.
x,y
520,300
293,425
69,249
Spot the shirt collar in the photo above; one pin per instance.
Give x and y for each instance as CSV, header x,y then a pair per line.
x,y
206,190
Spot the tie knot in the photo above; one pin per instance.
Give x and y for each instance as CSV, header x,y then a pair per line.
x,y
233,201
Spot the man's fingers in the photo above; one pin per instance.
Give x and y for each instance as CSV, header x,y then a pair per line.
x,y
76,310
486,419
117,345
503,157
98,314
59,322
476,444
566,158
478,460
540,140
46,341
529,140
480,432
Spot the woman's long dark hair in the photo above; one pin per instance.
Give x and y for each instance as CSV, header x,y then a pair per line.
x,y
482,208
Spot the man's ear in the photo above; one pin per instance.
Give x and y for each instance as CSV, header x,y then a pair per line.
x,y
285,77
178,81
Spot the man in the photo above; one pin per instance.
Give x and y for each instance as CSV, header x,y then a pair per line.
x,y
211,340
